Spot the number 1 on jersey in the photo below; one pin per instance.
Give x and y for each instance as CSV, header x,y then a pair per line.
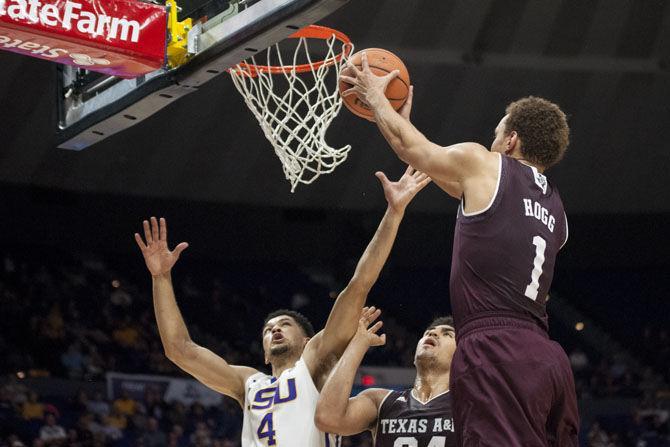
x,y
531,289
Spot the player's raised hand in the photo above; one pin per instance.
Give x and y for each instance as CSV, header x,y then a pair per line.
x,y
369,87
157,255
399,194
368,334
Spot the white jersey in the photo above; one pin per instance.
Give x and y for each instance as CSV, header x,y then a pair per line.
x,y
280,411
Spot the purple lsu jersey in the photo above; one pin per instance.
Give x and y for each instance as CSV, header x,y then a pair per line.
x,y
404,421
503,256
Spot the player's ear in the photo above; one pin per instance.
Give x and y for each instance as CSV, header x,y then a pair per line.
x,y
513,143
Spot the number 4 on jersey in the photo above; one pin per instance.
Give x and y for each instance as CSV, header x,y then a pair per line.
x,y
266,430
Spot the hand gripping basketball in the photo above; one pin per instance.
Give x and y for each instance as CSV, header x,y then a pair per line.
x,y
372,76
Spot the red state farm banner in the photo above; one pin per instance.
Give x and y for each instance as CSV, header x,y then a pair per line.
x,y
117,37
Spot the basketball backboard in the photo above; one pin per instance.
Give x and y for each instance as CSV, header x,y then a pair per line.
x,y
220,33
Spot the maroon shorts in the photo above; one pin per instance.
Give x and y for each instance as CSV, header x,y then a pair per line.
x,y
512,386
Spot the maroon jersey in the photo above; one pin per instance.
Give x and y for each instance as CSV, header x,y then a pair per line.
x,y
404,421
503,258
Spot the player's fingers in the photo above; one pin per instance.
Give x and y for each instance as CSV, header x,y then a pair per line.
x,y
154,229
409,170
382,339
382,177
364,61
349,80
423,183
179,248
351,66
369,314
140,242
391,76
162,229
378,325
410,96
419,176
374,315
351,91
147,231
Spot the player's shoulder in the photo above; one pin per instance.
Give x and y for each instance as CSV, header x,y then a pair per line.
x,y
473,155
376,393
257,379
468,149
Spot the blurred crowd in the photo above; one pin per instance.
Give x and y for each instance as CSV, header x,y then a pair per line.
x,y
26,418
645,424
77,317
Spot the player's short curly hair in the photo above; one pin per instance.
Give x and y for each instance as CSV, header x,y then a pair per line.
x,y
299,318
542,127
441,321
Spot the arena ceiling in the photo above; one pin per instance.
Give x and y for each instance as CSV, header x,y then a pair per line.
x,y
606,62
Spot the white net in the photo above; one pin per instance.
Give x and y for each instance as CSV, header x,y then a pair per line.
x,y
295,109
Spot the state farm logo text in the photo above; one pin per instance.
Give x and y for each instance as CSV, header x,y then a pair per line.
x,y
69,16
45,51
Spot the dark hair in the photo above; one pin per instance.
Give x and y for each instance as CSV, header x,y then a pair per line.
x,y
542,128
299,318
441,321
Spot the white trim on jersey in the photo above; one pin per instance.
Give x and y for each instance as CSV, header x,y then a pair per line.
x,y
495,194
411,393
379,409
566,231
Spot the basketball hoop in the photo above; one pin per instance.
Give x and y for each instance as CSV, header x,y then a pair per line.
x,y
295,103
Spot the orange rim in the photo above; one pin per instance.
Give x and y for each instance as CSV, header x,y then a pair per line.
x,y
309,32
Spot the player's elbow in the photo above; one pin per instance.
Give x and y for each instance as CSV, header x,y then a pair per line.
x,y
417,152
360,284
323,421
326,420
172,352
178,352
407,150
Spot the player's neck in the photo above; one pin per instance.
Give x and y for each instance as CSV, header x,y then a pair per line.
x,y
281,364
429,384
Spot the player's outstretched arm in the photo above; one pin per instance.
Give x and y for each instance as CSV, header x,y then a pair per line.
x,y
453,188
201,363
336,412
342,321
447,166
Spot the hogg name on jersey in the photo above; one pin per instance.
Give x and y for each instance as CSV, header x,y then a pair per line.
x,y
534,209
439,425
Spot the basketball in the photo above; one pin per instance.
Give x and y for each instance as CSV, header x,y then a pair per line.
x,y
381,63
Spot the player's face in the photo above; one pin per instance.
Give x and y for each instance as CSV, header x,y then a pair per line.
x,y
438,343
501,142
282,335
